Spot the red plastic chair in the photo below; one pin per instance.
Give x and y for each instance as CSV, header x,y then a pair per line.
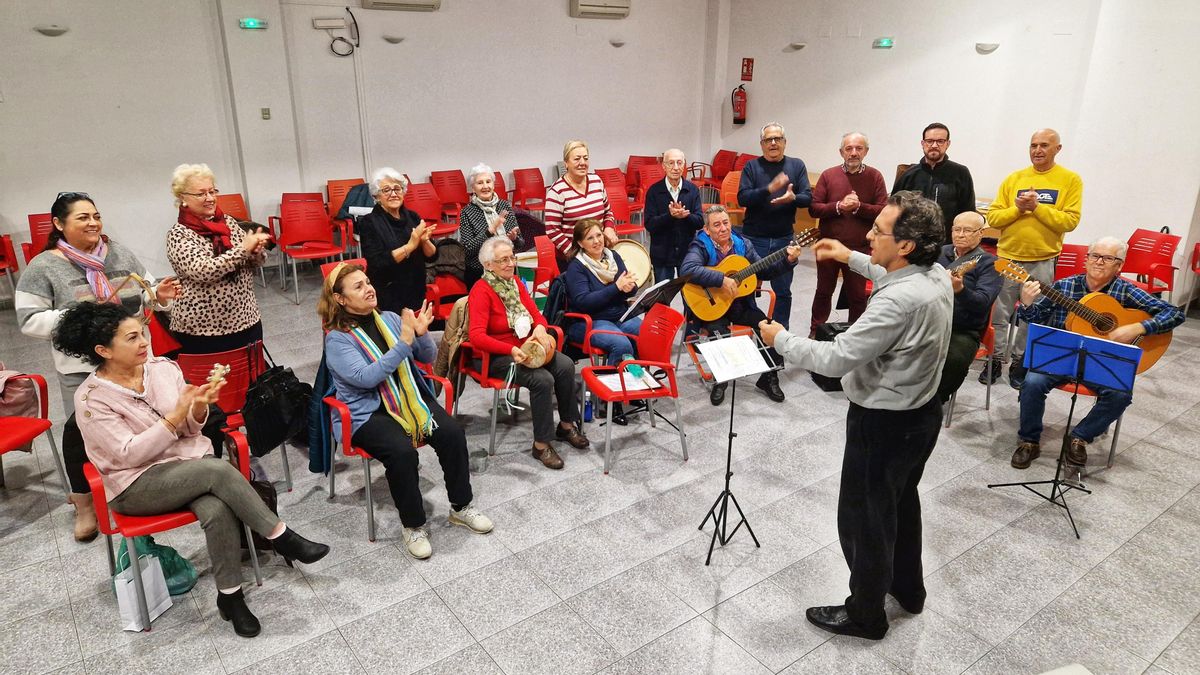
x,y
530,192
110,522
711,175
451,188
302,197
653,342
233,204
305,233
338,189
350,450
245,365
445,290
613,177
649,176
16,432
1072,261
499,186
40,225
728,197
1151,255
633,170
468,357
8,261
547,264
1195,273
741,161
326,268
423,199
623,213
987,344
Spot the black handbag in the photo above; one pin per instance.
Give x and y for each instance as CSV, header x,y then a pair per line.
x,y
276,408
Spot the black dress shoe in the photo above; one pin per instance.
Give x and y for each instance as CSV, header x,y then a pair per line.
x,y
909,605
833,618
232,607
769,383
716,395
294,547
991,371
1016,376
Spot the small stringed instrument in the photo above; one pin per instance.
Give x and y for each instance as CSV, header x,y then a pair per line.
x,y
962,269
710,304
1095,315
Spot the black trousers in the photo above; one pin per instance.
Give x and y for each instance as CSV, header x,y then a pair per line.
x,y
213,344
384,439
879,512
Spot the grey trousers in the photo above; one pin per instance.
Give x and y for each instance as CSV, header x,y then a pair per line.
x,y
1002,310
553,381
212,489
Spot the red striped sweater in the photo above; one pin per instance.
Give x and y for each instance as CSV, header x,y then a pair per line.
x,y
565,205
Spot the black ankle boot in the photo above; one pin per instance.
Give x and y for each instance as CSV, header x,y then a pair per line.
x,y
294,547
232,607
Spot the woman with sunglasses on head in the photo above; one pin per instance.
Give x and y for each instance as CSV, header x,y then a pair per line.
x,y
80,264
396,244
215,260
142,423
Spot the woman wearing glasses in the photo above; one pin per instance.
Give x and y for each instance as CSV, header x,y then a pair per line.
x,y
396,244
215,260
487,215
79,264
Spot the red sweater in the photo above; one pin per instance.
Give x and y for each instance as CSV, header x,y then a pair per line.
x,y
849,228
489,330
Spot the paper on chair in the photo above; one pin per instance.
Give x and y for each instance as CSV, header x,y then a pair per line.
x,y
643,383
732,357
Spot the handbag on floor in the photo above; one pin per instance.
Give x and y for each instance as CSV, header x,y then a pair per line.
x,y
276,408
158,600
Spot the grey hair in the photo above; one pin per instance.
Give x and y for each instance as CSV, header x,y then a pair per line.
x,y
1122,247
715,208
389,173
184,173
487,252
848,134
476,170
762,132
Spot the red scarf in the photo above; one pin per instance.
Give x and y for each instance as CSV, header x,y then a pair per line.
x,y
215,230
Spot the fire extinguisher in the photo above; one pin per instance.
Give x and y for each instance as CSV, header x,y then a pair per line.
x,y
739,104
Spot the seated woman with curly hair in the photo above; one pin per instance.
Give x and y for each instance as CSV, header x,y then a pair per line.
x,y
141,427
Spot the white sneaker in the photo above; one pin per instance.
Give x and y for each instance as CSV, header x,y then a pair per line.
x,y
417,541
472,519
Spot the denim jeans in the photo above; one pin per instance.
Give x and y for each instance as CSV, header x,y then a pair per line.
x,y
665,272
616,347
781,284
1109,406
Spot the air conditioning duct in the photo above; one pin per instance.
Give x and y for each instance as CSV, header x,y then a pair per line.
x,y
598,9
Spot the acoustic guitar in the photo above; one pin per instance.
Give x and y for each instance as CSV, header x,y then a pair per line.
x,y
1095,315
710,304
962,269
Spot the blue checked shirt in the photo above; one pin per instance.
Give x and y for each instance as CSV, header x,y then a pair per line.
x,y
1163,315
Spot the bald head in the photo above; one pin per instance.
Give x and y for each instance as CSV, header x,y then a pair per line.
x,y
967,232
1043,148
971,219
673,163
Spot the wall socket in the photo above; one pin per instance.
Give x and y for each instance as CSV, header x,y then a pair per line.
x,y
266,113
329,24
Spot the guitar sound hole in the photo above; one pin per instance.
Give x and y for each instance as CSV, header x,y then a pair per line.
x,y
1107,323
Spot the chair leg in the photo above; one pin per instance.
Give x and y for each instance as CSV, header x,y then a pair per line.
x,y
679,426
950,409
2,470
1112,449
295,282
332,461
650,410
287,469
370,500
59,463
135,567
608,425
987,402
253,555
492,432
112,559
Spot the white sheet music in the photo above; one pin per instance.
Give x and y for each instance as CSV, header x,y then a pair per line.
x,y
643,383
732,357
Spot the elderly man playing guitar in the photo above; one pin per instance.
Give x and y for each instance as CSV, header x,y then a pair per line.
x,y
1099,303
713,289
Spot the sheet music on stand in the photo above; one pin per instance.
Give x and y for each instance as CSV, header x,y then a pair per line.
x,y
662,292
728,356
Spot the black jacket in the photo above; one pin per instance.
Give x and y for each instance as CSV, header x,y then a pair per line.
x,y
949,184
981,285
400,285
670,236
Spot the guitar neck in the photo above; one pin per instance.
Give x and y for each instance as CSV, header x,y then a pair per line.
x,y
762,264
1073,306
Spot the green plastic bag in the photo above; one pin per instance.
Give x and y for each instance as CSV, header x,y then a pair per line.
x,y
180,574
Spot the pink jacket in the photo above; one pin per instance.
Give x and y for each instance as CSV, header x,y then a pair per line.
x,y
121,430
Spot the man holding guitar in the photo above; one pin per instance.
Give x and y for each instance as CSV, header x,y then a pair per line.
x,y
712,245
976,284
1065,304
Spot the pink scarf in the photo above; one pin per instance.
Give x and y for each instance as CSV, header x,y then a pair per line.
x,y
92,265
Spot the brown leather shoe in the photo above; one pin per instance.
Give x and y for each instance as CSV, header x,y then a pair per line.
x,y
548,457
573,436
1077,451
1025,454
85,516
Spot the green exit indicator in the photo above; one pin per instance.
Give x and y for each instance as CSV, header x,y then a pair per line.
x,y
882,43
250,23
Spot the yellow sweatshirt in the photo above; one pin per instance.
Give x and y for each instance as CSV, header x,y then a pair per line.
x,y
1037,234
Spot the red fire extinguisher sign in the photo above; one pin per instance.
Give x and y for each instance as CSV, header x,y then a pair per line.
x,y
747,70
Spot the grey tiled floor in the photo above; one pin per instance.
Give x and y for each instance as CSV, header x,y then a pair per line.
x,y
591,573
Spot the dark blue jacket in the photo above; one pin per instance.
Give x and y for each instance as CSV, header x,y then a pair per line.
x,y
589,296
670,236
697,262
981,285
764,219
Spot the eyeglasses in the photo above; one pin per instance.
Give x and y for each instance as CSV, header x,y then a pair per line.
x,y
1106,259
505,262
773,139
935,141
201,195
73,195
965,230
392,190
880,233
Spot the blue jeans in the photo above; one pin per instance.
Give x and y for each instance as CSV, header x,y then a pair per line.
x,y
616,347
664,272
1107,409
781,284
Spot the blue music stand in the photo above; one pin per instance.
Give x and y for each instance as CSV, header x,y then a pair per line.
x,y
1091,361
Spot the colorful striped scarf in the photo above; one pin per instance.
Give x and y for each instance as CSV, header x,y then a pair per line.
x,y
399,391
92,265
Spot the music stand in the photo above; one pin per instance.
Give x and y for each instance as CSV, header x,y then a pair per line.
x,y
1082,360
711,362
661,293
